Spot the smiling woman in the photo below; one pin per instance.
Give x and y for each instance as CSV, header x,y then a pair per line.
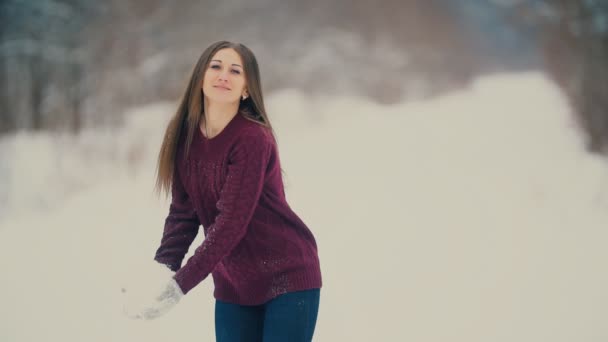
x,y
220,161
222,86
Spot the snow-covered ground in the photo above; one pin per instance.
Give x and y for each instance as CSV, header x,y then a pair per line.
x,y
477,216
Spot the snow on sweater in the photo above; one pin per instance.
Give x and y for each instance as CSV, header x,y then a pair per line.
x,y
255,246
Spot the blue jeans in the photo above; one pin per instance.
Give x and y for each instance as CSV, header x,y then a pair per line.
x,y
288,317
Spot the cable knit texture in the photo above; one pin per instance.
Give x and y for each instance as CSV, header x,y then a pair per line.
x,y
255,246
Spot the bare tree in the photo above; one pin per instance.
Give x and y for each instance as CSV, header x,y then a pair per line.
x,y
574,40
39,54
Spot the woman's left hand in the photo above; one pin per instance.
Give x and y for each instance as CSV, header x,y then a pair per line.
x,y
160,305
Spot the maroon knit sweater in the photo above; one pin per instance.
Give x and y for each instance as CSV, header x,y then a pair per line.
x,y
255,246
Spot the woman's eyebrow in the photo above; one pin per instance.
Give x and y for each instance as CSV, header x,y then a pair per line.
x,y
219,60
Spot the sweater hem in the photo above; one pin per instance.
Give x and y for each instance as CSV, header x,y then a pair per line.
x,y
297,282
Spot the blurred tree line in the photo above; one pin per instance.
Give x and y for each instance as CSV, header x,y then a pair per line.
x,y
574,39
71,63
66,64
42,63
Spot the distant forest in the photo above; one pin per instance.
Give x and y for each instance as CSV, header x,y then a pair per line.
x,y
66,65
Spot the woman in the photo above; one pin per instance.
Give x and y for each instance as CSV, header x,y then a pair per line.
x,y
220,160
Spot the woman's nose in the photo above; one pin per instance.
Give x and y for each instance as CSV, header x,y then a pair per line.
x,y
223,76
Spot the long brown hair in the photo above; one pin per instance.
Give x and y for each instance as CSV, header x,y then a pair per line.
x,y
191,107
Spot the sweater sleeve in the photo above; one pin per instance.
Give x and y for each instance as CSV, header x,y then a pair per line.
x,y
237,201
181,227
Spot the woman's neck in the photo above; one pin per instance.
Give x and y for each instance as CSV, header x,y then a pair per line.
x,y
217,116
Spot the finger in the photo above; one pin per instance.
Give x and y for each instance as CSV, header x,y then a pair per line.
x,y
130,314
134,315
150,313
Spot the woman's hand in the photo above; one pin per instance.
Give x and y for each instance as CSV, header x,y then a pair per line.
x,y
157,306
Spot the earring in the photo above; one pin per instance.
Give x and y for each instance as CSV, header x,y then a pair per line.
x,y
244,97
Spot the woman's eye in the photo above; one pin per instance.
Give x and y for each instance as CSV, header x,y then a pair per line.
x,y
215,66
235,72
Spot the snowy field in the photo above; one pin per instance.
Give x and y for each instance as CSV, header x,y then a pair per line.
x,y
475,217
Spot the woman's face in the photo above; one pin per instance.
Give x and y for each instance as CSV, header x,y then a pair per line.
x,y
224,80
